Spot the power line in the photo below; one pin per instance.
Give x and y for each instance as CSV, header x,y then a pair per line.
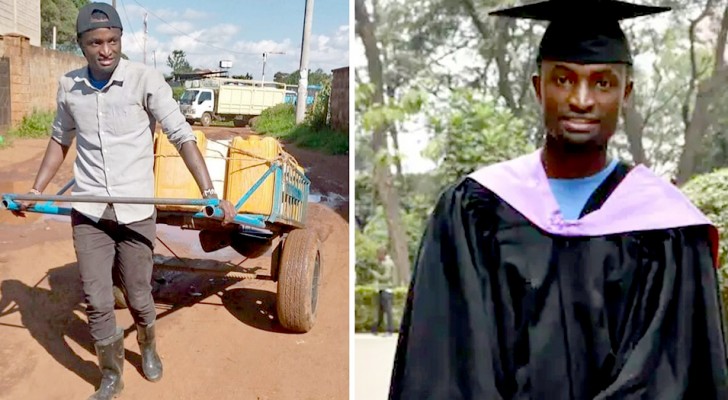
x,y
126,14
183,33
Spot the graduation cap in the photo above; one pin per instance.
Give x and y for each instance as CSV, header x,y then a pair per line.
x,y
582,31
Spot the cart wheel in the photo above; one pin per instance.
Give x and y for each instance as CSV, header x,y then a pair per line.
x,y
298,281
119,299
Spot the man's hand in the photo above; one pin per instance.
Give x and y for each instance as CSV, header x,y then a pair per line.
x,y
227,207
229,210
25,204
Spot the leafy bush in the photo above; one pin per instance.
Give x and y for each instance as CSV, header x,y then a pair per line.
x,y
178,91
277,120
280,122
367,308
317,117
34,126
709,192
472,132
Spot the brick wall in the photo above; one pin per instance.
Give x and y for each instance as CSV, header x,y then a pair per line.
x,y
339,100
5,104
21,17
34,74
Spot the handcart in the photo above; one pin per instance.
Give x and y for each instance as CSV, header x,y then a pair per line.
x,y
296,269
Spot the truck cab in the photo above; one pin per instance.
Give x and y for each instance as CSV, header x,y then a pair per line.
x,y
198,105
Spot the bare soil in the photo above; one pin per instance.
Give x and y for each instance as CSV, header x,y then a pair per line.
x,y
218,337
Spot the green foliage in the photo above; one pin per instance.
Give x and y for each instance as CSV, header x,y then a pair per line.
x,y
366,308
61,14
33,126
374,235
278,119
709,192
316,119
317,77
380,116
178,62
331,142
472,132
280,122
246,76
177,92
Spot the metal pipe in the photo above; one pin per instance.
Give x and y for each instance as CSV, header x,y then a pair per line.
x,y
68,186
242,219
109,200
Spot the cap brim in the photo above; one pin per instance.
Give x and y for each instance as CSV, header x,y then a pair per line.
x,y
551,10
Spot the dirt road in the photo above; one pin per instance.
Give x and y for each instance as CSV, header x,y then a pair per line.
x,y
218,337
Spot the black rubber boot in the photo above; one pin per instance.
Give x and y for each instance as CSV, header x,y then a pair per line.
x,y
111,362
151,363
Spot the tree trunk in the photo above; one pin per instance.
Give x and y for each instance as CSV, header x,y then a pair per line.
x,y
386,192
633,126
699,120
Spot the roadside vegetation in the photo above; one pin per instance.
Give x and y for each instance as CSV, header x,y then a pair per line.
x,y
314,132
34,126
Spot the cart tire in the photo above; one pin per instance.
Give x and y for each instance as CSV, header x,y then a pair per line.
x,y
299,281
119,298
206,119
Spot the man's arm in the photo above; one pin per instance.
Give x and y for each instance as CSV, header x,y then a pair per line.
x,y
63,131
52,160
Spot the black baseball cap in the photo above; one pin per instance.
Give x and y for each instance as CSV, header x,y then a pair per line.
x,y
573,35
84,22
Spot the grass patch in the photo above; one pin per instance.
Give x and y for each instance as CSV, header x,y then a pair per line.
x,y
280,122
34,126
276,121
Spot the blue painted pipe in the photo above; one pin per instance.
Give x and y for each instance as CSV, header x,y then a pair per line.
x,y
244,219
43,208
113,200
214,213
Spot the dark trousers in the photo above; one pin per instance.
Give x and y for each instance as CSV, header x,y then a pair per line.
x,y
103,246
385,307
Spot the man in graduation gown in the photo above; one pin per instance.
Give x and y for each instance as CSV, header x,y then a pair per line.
x,y
563,274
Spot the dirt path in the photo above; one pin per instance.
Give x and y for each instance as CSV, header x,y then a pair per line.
x,y
218,337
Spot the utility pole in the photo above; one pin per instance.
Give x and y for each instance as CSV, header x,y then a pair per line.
x,y
265,58
303,81
113,4
155,59
54,37
145,39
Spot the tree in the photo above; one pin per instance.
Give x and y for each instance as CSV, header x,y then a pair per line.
x,y
61,14
246,76
178,62
383,182
317,77
281,77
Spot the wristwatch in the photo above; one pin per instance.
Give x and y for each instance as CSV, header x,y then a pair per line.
x,y
209,193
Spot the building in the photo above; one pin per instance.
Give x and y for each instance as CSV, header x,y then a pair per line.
x,y
21,18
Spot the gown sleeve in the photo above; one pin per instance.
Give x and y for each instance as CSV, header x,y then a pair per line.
x,y
448,326
675,346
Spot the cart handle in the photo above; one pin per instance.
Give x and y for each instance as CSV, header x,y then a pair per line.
x,y
9,198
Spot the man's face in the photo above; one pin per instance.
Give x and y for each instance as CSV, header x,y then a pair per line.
x,y
102,49
581,103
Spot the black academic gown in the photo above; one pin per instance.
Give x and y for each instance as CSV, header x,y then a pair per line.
x,y
500,309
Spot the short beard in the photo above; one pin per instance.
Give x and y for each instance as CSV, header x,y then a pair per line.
x,y
563,145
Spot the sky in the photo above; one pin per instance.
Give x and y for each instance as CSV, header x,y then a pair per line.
x,y
239,31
